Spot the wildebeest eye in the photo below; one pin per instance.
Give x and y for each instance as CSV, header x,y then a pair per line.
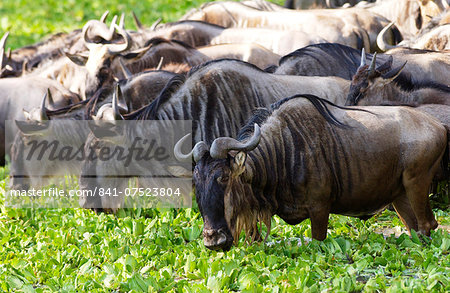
x,y
222,179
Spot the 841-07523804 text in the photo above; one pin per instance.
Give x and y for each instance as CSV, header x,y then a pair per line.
x,y
102,192
139,191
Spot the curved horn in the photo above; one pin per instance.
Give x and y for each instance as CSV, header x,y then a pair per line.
x,y
118,48
155,24
51,102
381,43
115,103
126,72
88,43
394,72
137,22
2,48
112,25
221,145
197,152
160,64
3,40
122,21
372,64
104,16
363,58
43,111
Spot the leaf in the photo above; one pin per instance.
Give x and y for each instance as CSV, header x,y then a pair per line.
x,y
445,245
247,279
414,237
130,263
86,267
213,284
14,282
191,233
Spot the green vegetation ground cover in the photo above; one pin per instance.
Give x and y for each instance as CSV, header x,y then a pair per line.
x,y
74,250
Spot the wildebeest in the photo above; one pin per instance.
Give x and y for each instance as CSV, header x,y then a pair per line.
x,y
218,96
409,15
84,74
307,160
355,27
343,61
249,52
24,93
437,38
199,33
373,85
160,52
174,52
239,79
327,59
140,90
29,57
55,46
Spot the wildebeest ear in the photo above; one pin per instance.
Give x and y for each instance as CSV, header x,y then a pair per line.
x,y
77,58
240,159
179,172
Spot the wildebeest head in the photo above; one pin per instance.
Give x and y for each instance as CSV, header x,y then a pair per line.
x,y
38,130
369,80
224,196
97,64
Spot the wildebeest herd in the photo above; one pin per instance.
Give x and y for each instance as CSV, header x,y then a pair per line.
x,y
295,113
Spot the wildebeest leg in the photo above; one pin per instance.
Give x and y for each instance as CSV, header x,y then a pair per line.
x,y
405,212
417,193
319,222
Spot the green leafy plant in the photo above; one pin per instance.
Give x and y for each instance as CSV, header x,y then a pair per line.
x,y
161,250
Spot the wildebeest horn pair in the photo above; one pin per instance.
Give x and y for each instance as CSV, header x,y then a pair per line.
x,y
364,61
98,29
219,148
384,69
91,28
